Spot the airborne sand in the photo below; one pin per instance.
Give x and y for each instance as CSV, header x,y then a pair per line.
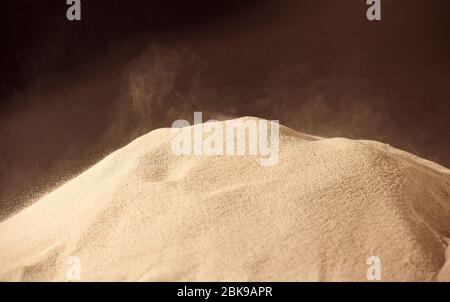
x,y
144,214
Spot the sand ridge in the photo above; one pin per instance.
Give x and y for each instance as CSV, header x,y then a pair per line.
x,y
143,214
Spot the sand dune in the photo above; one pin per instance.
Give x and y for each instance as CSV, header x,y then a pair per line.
x,y
143,214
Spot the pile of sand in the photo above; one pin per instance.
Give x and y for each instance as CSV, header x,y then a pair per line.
x,y
144,214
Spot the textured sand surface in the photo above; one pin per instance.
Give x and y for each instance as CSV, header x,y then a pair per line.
x,y
145,214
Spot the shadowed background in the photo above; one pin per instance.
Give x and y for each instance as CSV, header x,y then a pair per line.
x,y
71,92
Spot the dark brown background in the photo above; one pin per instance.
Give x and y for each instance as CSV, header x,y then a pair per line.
x,y
71,92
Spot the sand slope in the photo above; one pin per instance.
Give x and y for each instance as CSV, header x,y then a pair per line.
x,y
145,214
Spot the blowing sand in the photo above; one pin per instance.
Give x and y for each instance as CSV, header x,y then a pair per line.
x,y
143,214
